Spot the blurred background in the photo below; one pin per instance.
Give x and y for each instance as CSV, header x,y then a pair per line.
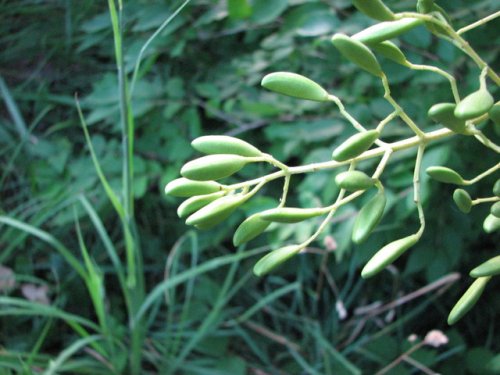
x,y
201,76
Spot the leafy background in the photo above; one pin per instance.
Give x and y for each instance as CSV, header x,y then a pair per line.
x,y
201,76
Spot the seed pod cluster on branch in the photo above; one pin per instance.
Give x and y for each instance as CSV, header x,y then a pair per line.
x,y
210,202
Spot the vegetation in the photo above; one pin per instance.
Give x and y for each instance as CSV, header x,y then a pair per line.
x,y
101,102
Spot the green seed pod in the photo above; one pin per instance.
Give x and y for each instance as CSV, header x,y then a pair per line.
x,y
474,105
182,187
462,200
495,209
358,53
386,30
468,300
368,218
193,204
494,113
294,85
443,113
491,224
388,254
424,6
354,180
390,51
249,229
489,268
375,9
355,145
223,144
216,211
213,167
289,214
496,188
274,259
446,175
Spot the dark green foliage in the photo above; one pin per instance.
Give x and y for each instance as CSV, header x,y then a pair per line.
x,y
200,76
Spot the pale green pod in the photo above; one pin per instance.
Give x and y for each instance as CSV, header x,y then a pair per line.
x,y
390,51
446,175
474,105
294,85
289,214
368,218
494,113
489,268
223,144
274,259
491,224
355,145
213,167
425,6
249,229
183,187
495,209
463,200
216,211
358,53
354,180
496,188
386,30
193,204
468,300
388,254
375,9
444,113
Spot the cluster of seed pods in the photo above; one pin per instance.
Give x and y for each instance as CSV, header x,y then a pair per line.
x,y
210,202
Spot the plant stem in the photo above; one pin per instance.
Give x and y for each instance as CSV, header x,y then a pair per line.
x,y
481,22
448,76
379,151
482,175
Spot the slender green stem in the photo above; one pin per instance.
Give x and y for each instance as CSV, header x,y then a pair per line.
x,y
416,187
349,118
448,76
485,200
482,175
150,40
286,185
376,152
486,141
457,40
401,113
478,23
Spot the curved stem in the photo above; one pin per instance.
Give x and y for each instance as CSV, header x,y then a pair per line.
x,y
481,22
482,175
448,76
401,113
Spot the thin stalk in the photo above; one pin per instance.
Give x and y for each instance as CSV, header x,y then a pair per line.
x,y
485,200
448,76
478,23
349,118
457,39
401,113
483,175
370,154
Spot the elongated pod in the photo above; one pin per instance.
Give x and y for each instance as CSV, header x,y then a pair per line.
x,y
468,300
213,167
388,254
223,144
294,85
355,145
368,217
358,53
183,187
386,30
274,259
375,9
